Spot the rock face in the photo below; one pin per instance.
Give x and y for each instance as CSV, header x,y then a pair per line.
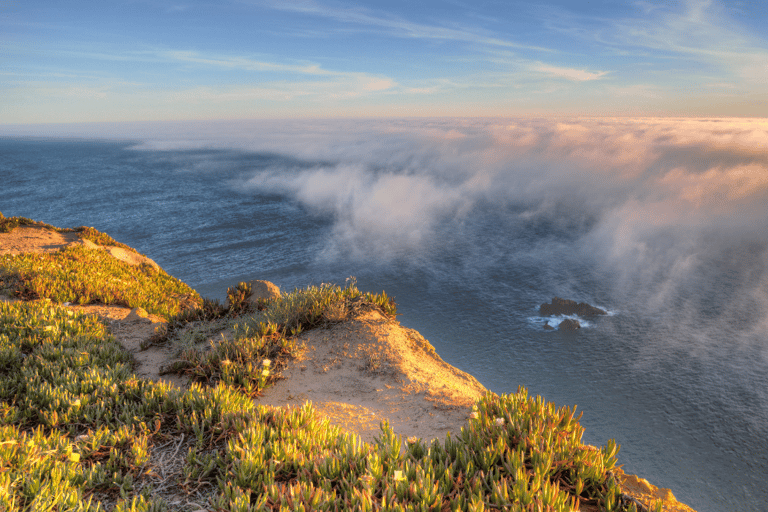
x,y
264,290
569,325
569,307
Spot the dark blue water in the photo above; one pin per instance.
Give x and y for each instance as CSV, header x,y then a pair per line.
x,y
677,374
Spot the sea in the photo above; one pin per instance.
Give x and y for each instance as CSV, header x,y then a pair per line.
x,y
472,224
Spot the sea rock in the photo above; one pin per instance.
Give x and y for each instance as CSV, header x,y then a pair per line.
x,y
548,327
569,307
569,325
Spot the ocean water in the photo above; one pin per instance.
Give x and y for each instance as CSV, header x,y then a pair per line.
x,y
471,225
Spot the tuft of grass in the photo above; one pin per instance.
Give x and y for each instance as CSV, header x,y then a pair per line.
x,y
8,224
319,305
97,237
239,299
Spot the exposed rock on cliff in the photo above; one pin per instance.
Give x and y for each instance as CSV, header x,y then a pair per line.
x,y
264,290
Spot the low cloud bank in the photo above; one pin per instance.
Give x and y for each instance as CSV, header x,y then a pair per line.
x,y
674,210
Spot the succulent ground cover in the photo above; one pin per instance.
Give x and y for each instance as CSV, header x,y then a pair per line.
x,y
79,431
83,275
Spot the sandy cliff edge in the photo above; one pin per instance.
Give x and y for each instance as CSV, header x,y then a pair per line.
x,y
369,369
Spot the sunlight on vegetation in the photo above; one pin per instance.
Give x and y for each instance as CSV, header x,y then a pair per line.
x,y
87,276
79,431
266,331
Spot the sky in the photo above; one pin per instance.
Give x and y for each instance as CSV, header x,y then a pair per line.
x,y
158,60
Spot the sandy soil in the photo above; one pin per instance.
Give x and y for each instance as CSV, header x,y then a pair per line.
x,y
25,239
357,373
370,369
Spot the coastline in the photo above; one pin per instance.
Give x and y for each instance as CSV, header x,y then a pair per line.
x,y
356,373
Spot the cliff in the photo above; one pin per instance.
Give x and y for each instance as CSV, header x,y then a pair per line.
x,y
349,358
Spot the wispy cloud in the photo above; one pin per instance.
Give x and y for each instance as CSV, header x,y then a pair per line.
x,y
496,50
242,63
396,26
348,83
576,75
701,30
342,83
390,60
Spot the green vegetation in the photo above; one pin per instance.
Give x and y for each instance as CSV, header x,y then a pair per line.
x,y
87,276
79,431
266,332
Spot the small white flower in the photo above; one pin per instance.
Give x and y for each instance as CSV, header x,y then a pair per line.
x,y
499,422
266,362
474,415
399,476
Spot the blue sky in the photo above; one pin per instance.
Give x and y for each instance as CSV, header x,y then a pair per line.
x,y
80,61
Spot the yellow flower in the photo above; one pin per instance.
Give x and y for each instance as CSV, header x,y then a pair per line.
x,y
265,372
399,476
266,362
74,457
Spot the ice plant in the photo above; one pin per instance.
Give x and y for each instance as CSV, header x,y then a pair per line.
x,y
71,388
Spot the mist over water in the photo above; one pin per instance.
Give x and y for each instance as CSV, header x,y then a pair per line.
x,y
471,224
